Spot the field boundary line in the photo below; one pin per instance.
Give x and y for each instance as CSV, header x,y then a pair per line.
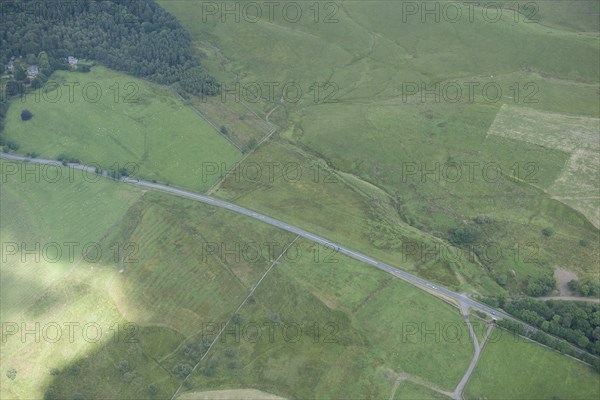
x,y
548,347
218,183
204,117
252,290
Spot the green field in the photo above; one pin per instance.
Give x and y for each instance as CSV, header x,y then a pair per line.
x,y
512,368
133,124
51,293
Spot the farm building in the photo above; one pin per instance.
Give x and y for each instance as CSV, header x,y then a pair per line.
x,y
32,71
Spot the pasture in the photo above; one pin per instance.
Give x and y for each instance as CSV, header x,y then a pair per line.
x,y
323,325
117,121
512,368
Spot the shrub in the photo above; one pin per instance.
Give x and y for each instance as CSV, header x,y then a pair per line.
x,y
12,145
152,389
229,352
463,235
11,374
123,366
548,231
26,115
182,370
51,394
541,286
128,377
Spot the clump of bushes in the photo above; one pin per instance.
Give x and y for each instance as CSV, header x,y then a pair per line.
x,y
541,286
548,231
26,115
589,287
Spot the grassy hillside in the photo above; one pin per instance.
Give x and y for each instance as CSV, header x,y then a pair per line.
x,y
378,133
339,330
153,284
126,122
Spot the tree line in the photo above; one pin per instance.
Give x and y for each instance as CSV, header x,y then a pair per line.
x,y
137,37
134,36
545,339
576,322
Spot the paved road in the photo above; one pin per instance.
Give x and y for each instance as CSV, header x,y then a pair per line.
x,y
415,280
290,228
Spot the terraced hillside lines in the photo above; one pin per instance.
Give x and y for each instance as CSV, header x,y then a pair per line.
x,y
165,291
34,215
512,368
192,267
244,127
54,291
577,136
131,123
350,338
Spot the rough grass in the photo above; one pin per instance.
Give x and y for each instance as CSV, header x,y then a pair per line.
x,y
234,394
371,133
65,210
577,136
353,321
338,206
